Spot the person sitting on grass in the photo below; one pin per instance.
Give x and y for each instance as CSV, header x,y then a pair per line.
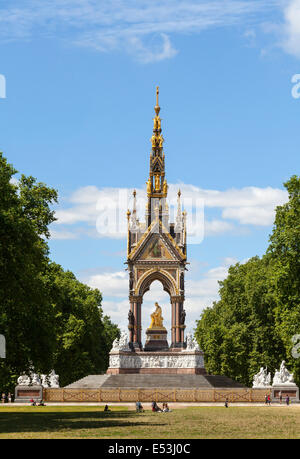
x,y
106,408
166,408
33,402
41,403
155,407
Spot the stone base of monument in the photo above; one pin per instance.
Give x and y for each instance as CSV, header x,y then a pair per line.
x,y
156,339
182,362
286,390
23,394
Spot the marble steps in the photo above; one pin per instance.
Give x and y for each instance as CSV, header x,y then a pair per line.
x,y
89,382
145,381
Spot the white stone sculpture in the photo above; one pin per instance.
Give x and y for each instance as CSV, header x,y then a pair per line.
x,y
24,380
53,379
35,379
182,360
122,343
191,343
283,377
115,345
262,378
44,379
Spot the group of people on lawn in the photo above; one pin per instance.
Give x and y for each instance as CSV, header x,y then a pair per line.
x,y
154,406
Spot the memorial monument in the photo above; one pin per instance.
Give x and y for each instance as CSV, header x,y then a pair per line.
x,y
283,384
167,367
156,250
32,386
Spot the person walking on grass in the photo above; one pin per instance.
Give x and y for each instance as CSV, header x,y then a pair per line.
x,y
226,403
287,400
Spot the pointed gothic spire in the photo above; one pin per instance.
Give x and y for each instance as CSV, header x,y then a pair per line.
x,y
157,185
134,219
157,107
179,223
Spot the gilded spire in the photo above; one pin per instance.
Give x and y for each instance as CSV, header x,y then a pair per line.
x,y
156,180
157,107
157,187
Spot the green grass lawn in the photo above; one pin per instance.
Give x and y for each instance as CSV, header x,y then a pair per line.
x,y
122,423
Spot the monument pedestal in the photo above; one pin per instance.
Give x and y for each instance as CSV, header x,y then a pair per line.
x,y
156,339
286,390
149,362
23,394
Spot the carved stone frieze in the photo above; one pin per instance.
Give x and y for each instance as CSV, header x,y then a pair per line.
x,y
182,360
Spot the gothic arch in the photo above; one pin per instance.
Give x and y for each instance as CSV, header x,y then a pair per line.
x,y
165,278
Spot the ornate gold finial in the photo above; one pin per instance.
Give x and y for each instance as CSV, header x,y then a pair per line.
x,y
134,193
128,214
157,107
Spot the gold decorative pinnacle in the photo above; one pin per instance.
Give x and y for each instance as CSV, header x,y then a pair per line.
x,y
157,107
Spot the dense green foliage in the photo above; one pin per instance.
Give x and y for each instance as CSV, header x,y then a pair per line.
x,y
49,319
258,313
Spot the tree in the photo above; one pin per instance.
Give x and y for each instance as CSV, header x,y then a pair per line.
x,y
25,313
258,313
83,336
284,253
49,318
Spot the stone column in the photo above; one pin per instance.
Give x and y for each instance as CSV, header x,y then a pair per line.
x,y
177,329
135,329
131,326
173,323
177,322
135,306
139,324
182,325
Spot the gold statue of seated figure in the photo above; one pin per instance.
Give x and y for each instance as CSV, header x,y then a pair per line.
x,y
157,318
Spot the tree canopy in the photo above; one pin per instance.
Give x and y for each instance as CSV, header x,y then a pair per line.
x,y
49,318
253,323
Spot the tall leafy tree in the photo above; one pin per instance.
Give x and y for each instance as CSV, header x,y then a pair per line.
x,y
25,313
49,318
284,253
259,309
83,336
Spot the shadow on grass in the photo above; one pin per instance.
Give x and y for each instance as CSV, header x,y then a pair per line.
x,y
12,422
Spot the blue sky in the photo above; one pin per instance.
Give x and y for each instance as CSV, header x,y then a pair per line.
x,y
80,91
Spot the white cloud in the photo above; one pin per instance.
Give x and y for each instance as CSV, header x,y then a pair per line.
x,y
260,216
291,40
126,25
115,283
214,227
63,235
102,212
